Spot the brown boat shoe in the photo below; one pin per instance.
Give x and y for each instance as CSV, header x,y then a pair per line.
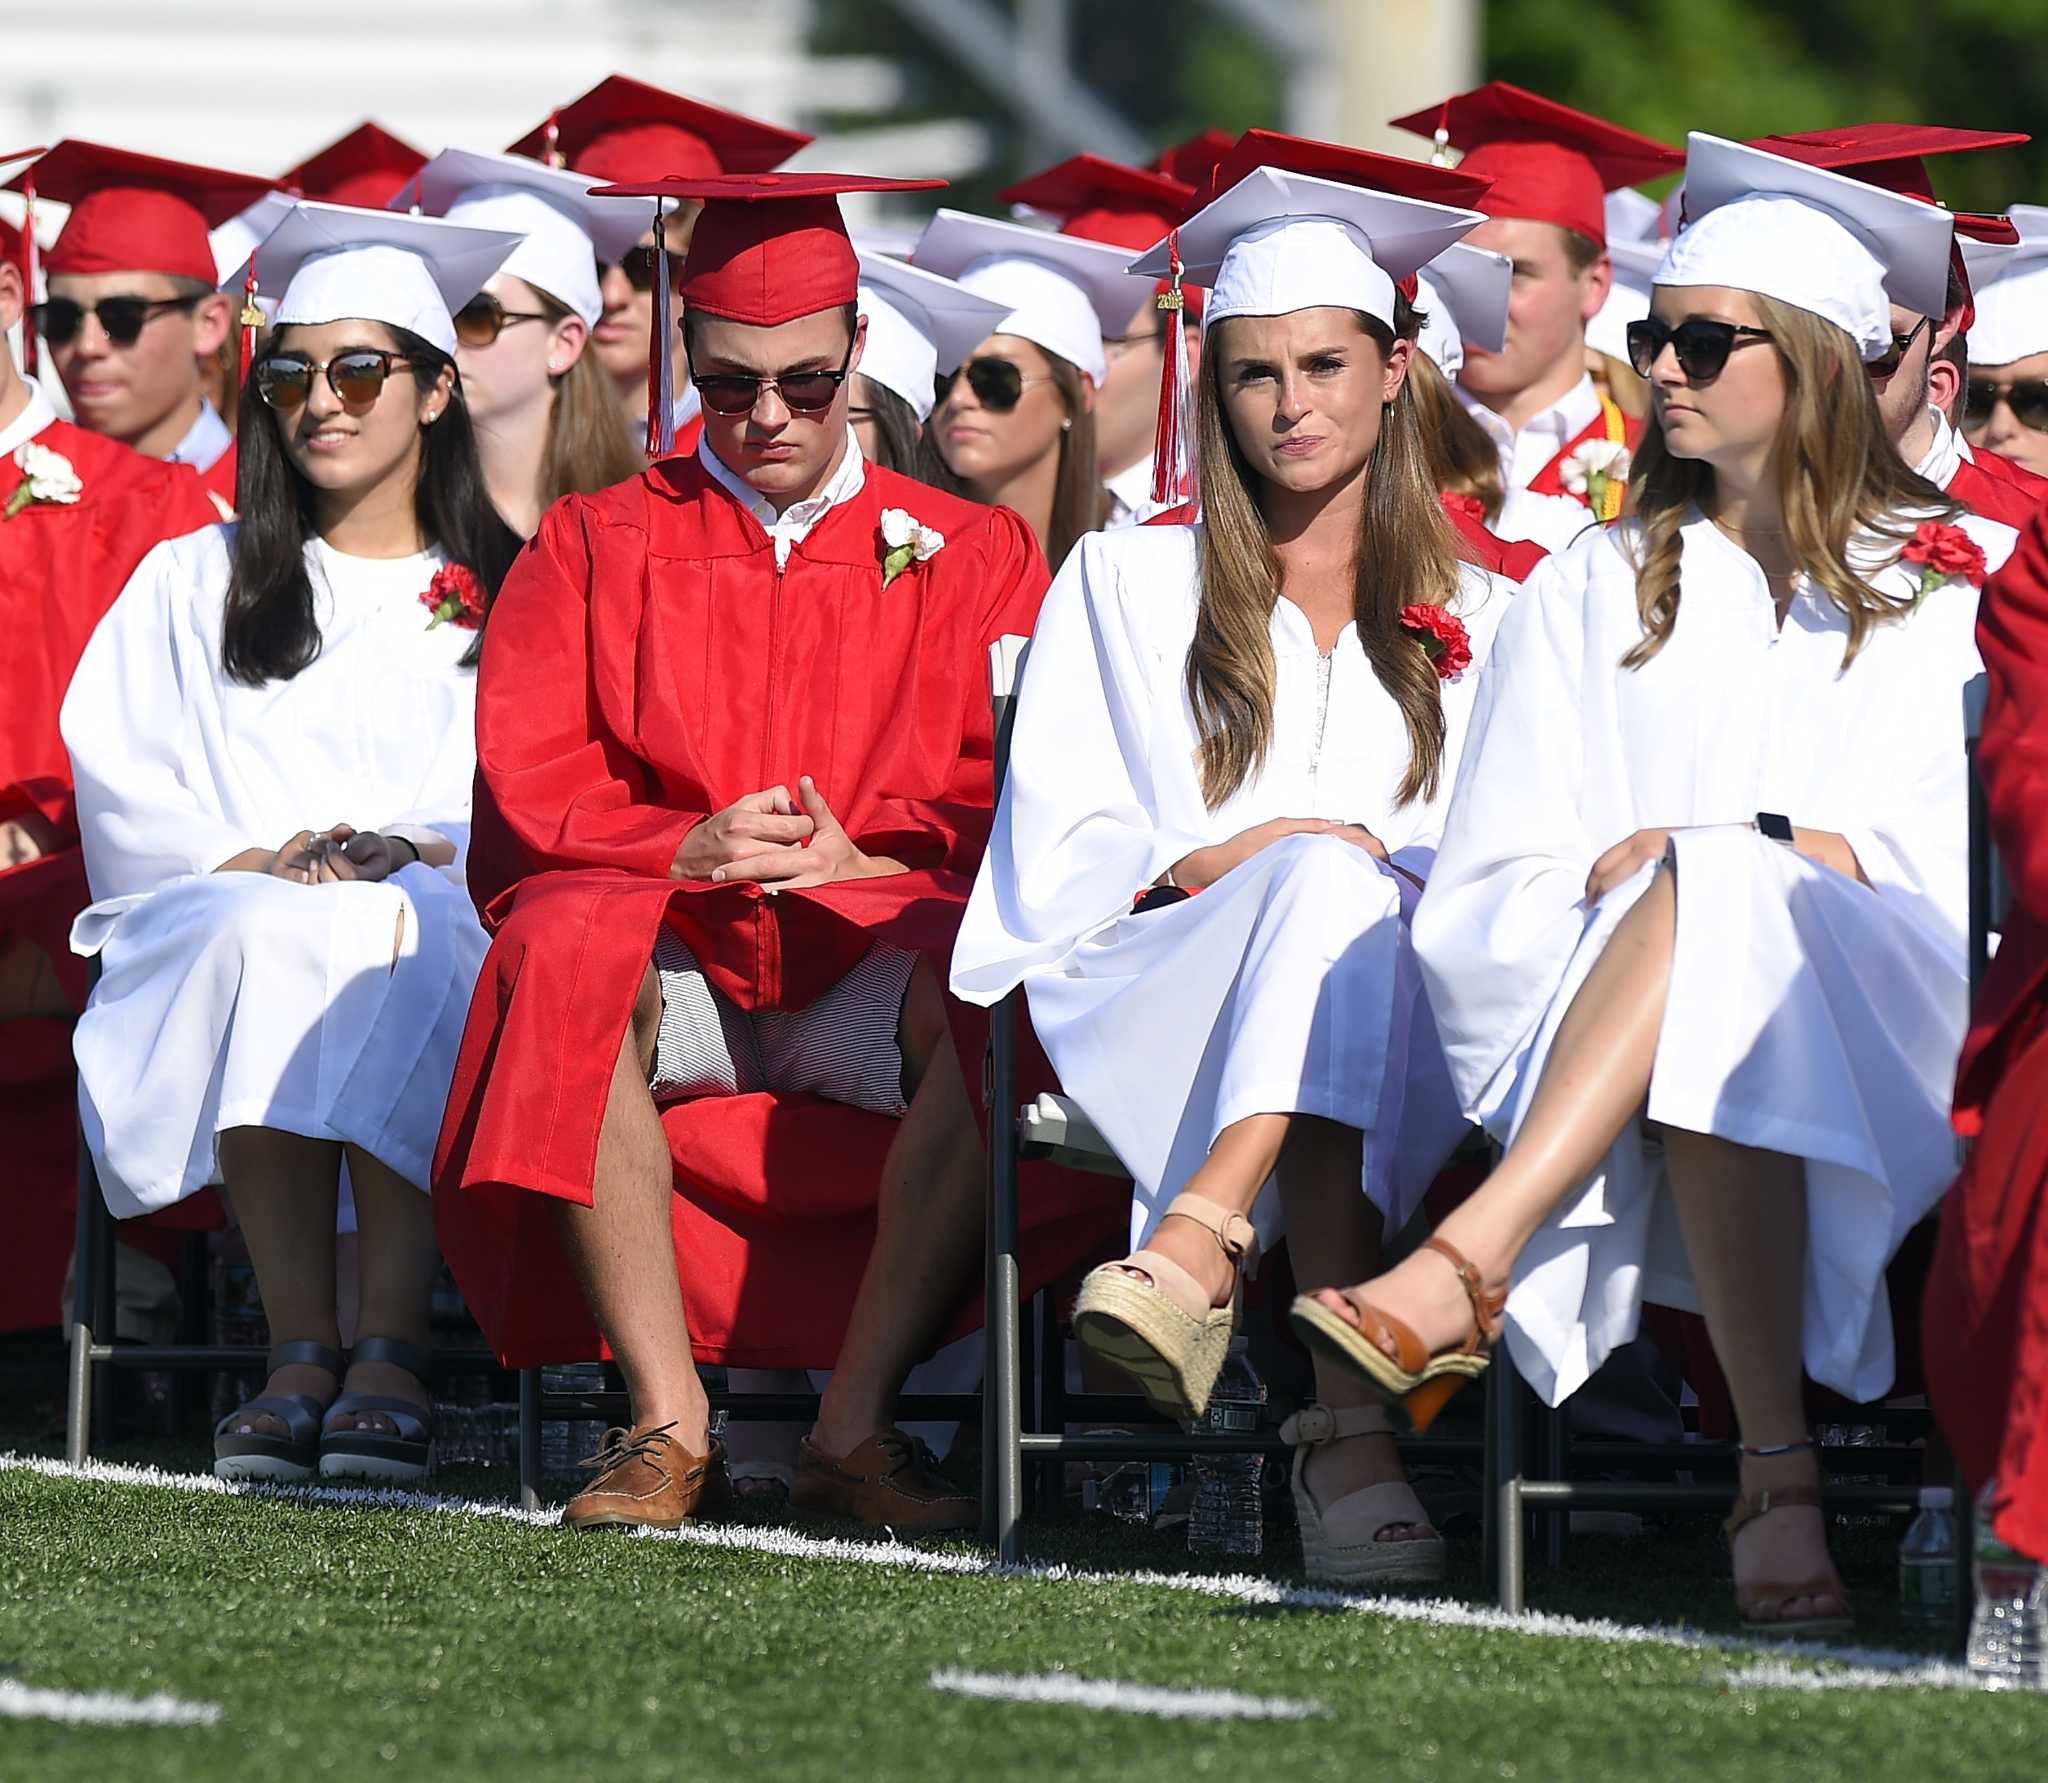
x,y
646,1479
888,1482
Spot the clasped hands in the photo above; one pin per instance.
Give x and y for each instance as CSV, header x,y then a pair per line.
x,y
327,857
764,839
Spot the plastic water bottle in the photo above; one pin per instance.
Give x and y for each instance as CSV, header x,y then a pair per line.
x,y
1228,1516
2009,1631
566,1442
1927,1563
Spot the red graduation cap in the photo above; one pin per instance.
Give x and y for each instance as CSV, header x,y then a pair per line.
x,y
766,249
623,129
1458,186
365,168
1190,161
1102,200
1547,161
1894,156
136,213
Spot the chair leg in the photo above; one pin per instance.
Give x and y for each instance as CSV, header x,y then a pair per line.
x,y
1504,1479
85,1249
1002,1406
529,1439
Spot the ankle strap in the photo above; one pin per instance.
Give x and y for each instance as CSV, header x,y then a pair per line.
x,y
1487,1304
306,1352
395,1351
1236,1234
1314,1425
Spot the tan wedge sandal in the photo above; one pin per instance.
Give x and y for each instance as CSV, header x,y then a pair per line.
x,y
1415,1381
1770,1595
1340,1543
1163,1332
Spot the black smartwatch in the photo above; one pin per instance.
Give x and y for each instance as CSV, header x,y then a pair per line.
x,y
1774,827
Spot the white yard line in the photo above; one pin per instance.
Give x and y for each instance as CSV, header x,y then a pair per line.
x,y
100,1708
1130,1699
1898,1669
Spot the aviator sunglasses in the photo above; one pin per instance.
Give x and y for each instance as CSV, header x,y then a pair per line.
x,y
736,393
285,380
1701,344
123,318
998,384
2026,397
480,321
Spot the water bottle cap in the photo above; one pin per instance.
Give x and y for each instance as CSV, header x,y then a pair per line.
x,y
1937,1498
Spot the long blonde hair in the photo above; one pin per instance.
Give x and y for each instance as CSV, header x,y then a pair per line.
x,y
1838,475
1407,555
1462,459
588,446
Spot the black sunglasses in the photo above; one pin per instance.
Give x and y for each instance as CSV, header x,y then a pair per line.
x,y
1701,344
1893,356
736,393
483,318
123,318
285,380
638,264
998,384
2026,397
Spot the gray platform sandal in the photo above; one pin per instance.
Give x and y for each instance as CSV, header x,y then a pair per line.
x,y
1340,1542
262,1455
389,1460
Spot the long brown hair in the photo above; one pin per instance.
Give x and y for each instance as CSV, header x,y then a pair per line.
x,y
1462,460
588,446
1838,475
1080,504
1407,555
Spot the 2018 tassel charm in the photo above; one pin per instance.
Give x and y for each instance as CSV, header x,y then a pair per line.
x,y
1173,457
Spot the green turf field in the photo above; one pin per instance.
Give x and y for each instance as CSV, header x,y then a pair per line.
x,y
342,1639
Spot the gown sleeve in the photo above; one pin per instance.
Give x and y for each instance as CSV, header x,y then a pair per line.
x,y
555,787
143,818
1077,829
2012,755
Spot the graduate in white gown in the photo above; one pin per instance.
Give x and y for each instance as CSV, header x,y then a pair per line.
x,y
1257,717
273,732
1695,938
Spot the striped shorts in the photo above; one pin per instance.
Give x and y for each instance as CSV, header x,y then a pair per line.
x,y
843,1047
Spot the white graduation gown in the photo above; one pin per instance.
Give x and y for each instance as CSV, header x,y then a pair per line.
x,y
237,999
1288,985
1807,1014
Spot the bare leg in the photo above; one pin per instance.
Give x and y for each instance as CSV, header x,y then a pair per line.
x,y
1243,1158
283,1188
1743,1213
623,1246
928,1231
1333,1236
1593,1085
396,1260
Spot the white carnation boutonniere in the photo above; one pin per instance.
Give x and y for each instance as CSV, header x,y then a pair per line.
x,y
1597,473
906,541
46,476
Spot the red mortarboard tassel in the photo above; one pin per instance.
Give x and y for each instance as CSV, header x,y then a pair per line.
x,y
661,419
248,321
28,273
1173,457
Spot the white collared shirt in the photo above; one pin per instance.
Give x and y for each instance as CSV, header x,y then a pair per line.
x,y
1944,453
1130,495
41,411
204,442
1523,454
794,524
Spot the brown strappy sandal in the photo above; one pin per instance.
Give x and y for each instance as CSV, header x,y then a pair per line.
x,y
1417,1383
1770,1595
1163,1332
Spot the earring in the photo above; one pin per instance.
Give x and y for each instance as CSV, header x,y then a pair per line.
x,y
1067,426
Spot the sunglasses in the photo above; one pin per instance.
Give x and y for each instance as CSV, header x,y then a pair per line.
x,y
285,380
805,392
1702,345
1890,359
998,384
483,318
638,264
122,318
2026,397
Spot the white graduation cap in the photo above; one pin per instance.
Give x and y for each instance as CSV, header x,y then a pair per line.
x,y
334,262
1820,241
236,239
2010,283
919,325
1060,291
567,232
1278,242
1464,297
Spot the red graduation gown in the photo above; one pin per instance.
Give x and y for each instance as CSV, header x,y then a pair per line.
x,y
1997,488
1986,1314
61,565
645,665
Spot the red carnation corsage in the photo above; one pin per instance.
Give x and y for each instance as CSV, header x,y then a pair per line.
x,y
1943,552
1442,634
454,597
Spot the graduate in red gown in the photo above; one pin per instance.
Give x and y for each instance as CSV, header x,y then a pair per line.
x,y
77,513
1984,1327
734,781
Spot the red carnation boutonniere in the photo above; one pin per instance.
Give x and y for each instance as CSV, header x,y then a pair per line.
x,y
455,597
1443,638
1943,552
